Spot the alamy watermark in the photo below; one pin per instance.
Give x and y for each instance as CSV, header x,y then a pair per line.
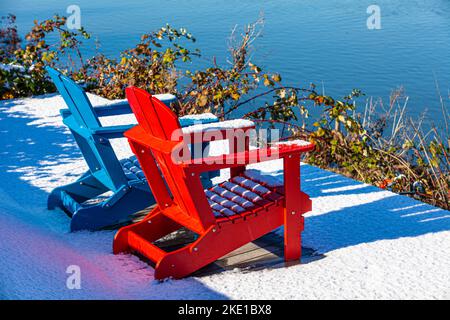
x,y
74,19
374,20
73,281
192,149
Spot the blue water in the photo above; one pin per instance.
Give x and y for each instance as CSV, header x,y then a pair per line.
x,y
321,41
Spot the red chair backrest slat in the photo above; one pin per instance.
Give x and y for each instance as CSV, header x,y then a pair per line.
x,y
160,122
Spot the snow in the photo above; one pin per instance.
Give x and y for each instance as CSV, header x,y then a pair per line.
x,y
164,97
255,187
224,125
376,244
214,198
261,177
296,142
11,66
242,192
202,116
231,196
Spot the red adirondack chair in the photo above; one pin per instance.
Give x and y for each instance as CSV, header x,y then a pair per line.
x,y
226,216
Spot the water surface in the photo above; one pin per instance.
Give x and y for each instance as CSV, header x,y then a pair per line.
x,y
322,41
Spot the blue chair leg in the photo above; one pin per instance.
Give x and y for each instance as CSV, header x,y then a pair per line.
x,y
69,197
107,214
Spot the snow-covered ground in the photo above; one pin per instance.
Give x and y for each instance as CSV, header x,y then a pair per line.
x,y
376,244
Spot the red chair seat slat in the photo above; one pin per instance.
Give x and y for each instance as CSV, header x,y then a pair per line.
x,y
232,196
227,203
236,198
250,185
267,192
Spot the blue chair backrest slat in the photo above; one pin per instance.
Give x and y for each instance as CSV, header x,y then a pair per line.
x,y
100,157
55,76
82,104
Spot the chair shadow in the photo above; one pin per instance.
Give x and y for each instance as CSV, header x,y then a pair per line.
x,y
27,151
387,216
266,252
338,223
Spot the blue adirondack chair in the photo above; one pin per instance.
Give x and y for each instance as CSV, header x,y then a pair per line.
x,y
112,190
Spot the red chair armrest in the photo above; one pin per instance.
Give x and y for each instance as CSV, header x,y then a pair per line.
x,y
247,157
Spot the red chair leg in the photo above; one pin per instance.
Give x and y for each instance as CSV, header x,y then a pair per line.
x,y
292,235
152,228
292,212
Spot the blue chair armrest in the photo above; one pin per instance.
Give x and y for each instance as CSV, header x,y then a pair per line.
x,y
113,109
121,107
166,98
203,118
112,132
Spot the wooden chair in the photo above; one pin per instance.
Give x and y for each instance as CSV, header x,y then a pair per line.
x,y
124,179
225,216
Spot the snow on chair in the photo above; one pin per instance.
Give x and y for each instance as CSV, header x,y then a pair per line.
x,y
124,178
225,216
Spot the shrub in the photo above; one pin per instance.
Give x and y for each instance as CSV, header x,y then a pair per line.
x,y
386,150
